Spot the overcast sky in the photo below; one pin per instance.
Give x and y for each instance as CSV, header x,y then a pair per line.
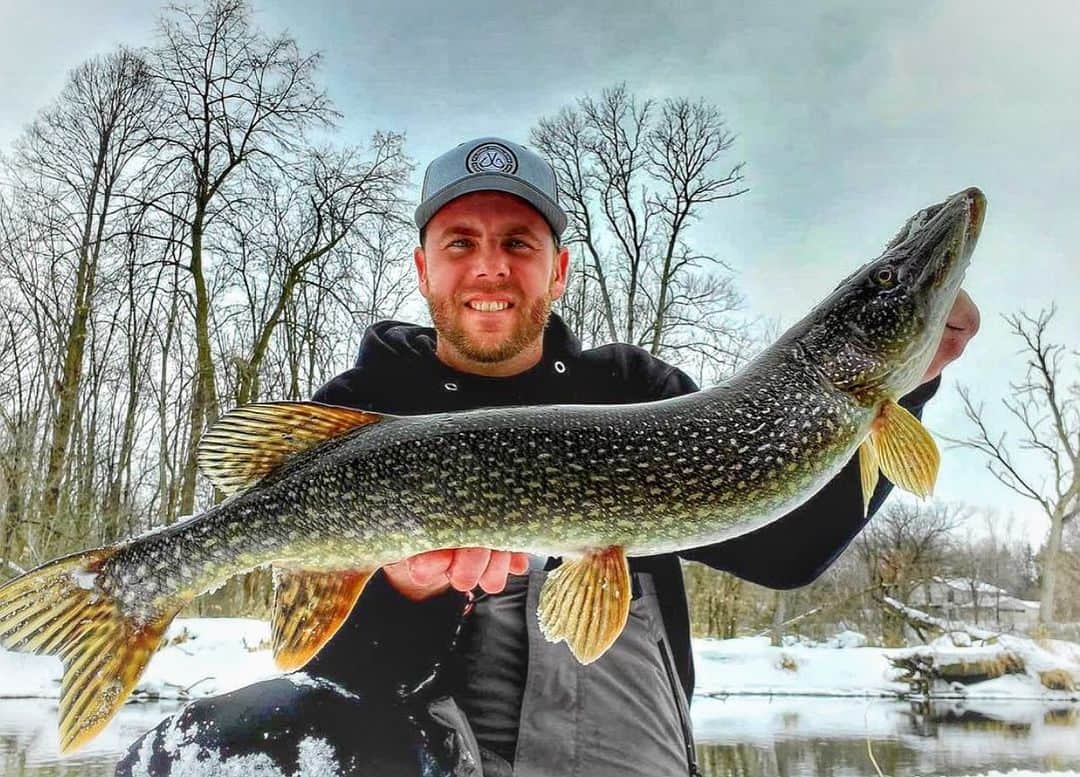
x,y
849,118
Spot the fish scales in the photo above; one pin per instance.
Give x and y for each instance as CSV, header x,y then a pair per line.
x,y
558,480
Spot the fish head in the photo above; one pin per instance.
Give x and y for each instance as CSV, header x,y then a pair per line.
x,y
877,333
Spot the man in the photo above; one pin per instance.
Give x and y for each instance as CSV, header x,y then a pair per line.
x,y
440,669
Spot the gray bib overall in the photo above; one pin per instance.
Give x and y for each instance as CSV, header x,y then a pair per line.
x,y
624,715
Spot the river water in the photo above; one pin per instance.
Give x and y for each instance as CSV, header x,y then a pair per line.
x,y
738,736
795,736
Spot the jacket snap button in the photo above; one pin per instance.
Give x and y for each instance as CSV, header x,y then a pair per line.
x,y
560,367
449,386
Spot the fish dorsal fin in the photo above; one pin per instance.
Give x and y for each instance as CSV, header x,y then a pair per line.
x,y
250,441
907,453
586,603
869,465
309,608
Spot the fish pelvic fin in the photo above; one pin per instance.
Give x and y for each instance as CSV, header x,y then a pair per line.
x,y
58,609
309,608
908,455
249,442
869,466
586,603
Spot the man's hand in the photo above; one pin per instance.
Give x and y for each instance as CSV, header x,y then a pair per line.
x,y
424,575
961,326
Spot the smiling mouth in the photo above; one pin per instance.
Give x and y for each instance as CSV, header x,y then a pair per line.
x,y
487,307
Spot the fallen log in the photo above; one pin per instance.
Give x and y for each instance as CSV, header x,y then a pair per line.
x,y
921,621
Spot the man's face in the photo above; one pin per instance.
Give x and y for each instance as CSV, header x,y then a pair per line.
x,y
489,271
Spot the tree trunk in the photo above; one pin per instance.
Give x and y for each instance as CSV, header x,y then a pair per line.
x,y
13,510
71,369
778,615
204,404
247,390
665,283
1049,568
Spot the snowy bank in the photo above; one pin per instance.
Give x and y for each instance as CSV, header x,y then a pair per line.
x,y
749,665
207,656
200,657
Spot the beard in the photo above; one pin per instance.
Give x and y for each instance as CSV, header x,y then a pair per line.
x,y
528,326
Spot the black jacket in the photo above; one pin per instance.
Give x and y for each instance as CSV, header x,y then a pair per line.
x,y
391,641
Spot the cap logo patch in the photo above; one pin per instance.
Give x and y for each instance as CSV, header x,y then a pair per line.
x,y
491,158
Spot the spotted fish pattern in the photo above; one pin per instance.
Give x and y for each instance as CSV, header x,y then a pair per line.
x,y
556,480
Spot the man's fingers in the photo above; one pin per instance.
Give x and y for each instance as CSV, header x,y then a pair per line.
x,y
430,567
519,563
467,567
493,579
464,568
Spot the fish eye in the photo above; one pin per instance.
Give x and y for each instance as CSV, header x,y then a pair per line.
x,y
885,277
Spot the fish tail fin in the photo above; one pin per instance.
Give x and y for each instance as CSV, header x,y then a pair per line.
x,y
59,609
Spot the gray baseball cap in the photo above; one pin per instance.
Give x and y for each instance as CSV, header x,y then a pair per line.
x,y
491,164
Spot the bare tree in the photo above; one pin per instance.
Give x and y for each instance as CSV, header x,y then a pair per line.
x,y
633,176
75,155
1046,405
297,225
236,101
903,547
370,279
141,294
168,215
22,398
716,600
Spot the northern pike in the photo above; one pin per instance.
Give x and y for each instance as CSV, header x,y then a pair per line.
x,y
327,495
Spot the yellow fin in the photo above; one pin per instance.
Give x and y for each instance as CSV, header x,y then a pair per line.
x,y
250,441
908,455
309,608
869,465
59,610
586,603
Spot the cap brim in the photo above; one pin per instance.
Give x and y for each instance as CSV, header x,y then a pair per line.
x,y
493,182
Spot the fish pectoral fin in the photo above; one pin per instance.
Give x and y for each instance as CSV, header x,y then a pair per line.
x,y
309,608
908,455
249,442
869,465
59,610
586,603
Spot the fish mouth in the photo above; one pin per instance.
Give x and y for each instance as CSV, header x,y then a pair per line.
x,y
887,317
936,245
931,255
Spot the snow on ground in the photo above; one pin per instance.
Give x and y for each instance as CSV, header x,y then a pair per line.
x,y
838,667
201,657
750,665
220,655
206,656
